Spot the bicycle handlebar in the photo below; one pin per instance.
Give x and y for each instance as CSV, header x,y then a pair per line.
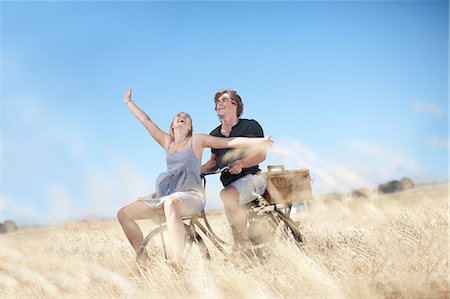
x,y
218,170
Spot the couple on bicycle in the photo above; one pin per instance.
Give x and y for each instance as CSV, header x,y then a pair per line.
x,y
238,143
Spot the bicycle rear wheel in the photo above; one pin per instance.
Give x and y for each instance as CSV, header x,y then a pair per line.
x,y
289,229
274,226
262,228
156,244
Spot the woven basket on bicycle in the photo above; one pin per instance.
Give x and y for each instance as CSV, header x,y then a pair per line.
x,y
287,186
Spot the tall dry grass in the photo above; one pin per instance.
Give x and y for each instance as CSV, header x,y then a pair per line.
x,y
392,246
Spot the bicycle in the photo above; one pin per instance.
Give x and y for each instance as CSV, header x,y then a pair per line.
x,y
266,222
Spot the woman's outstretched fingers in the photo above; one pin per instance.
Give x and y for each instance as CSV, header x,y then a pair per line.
x,y
127,96
268,140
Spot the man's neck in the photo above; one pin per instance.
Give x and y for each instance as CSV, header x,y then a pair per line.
x,y
229,121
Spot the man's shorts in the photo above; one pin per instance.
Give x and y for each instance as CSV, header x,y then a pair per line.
x,y
248,186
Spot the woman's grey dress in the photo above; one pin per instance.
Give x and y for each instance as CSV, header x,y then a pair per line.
x,y
182,179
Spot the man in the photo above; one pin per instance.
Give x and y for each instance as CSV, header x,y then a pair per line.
x,y
241,181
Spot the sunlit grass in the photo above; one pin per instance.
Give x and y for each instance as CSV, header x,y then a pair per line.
x,y
392,246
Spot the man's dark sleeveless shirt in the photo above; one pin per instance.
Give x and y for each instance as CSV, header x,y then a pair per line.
x,y
244,128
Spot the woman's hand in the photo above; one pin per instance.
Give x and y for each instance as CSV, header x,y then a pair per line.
x,y
268,142
127,96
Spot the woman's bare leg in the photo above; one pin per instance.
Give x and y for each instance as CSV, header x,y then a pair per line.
x,y
127,217
175,227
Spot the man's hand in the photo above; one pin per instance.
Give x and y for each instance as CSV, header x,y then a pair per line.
x,y
235,167
210,165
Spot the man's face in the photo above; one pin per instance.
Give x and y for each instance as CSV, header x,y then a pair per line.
x,y
225,105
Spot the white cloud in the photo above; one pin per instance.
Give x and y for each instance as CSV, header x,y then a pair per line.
x,y
369,165
19,210
89,186
327,175
384,164
427,108
61,205
107,190
443,143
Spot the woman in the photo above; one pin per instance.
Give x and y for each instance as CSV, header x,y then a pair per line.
x,y
178,190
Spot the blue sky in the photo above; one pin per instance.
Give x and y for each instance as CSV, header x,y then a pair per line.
x,y
355,91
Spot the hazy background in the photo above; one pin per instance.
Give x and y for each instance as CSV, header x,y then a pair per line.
x,y
355,91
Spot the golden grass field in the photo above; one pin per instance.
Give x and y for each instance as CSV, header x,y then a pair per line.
x,y
392,246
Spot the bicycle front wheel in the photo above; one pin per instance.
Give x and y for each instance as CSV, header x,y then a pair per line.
x,y
157,244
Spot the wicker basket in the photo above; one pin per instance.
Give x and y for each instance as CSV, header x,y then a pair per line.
x,y
287,186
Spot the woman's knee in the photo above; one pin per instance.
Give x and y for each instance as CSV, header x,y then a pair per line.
x,y
172,205
134,211
122,214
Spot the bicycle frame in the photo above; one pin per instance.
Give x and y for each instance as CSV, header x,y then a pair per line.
x,y
193,223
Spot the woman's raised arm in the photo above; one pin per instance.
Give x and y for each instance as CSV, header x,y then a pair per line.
x,y
159,135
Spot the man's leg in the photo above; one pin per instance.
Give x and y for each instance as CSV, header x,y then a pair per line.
x,y
236,214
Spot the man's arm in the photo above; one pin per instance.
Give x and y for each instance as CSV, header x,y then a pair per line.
x,y
210,165
249,161
252,159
